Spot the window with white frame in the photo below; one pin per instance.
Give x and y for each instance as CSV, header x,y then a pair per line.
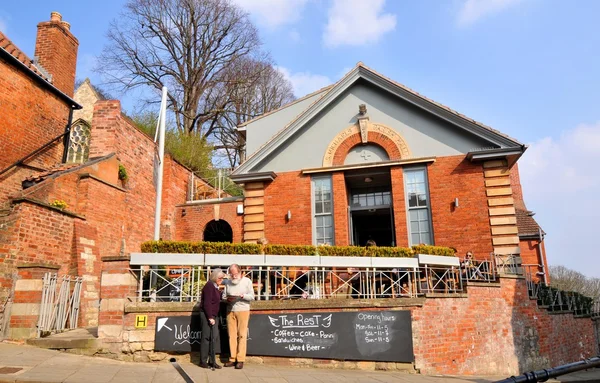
x,y
418,207
322,197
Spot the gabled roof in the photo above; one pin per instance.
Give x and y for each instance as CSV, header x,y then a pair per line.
x,y
10,50
360,71
284,106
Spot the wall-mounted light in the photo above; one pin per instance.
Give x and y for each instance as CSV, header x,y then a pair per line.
x,y
368,179
183,212
456,202
288,216
240,209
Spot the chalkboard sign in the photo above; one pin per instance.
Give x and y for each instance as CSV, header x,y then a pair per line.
x,y
182,333
384,336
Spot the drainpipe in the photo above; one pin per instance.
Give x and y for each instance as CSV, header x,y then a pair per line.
x,y
542,256
67,136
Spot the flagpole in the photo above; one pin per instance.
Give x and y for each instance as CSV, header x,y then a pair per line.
x,y
161,162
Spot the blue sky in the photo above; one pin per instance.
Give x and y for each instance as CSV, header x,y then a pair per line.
x,y
529,68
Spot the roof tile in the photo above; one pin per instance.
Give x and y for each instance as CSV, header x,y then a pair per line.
x,y
12,49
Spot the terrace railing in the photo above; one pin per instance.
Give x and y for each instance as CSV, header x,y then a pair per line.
x,y
280,277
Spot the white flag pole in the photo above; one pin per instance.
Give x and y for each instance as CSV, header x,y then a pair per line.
x,y
161,162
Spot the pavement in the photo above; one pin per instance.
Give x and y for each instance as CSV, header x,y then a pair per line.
x,y
21,363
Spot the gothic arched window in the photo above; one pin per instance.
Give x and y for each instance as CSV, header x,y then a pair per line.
x,y
79,142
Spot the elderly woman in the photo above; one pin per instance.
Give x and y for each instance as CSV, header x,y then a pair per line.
x,y
209,310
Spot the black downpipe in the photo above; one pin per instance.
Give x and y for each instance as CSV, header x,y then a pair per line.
x,y
544,375
67,136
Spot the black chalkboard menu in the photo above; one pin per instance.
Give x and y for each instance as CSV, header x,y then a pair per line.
x,y
384,336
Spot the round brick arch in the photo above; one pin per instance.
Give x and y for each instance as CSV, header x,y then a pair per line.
x,y
387,138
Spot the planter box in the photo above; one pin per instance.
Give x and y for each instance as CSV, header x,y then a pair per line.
x,y
292,260
391,263
228,259
438,260
335,261
166,259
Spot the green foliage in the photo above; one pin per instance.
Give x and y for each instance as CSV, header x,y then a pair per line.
x,y
200,247
390,252
123,173
190,149
59,204
434,250
290,250
250,248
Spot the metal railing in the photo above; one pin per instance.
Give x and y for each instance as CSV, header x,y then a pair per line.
x,y
508,264
556,300
479,271
184,284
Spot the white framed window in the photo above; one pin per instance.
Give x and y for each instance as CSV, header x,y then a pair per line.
x,y
418,209
322,207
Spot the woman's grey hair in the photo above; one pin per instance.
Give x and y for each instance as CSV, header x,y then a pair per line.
x,y
216,274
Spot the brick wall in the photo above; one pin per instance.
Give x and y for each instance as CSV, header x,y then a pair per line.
x,y
191,219
32,233
289,191
466,227
496,331
175,190
31,116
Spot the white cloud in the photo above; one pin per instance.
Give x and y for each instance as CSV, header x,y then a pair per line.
x,y
357,22
475,10
561,183
305,82
273,13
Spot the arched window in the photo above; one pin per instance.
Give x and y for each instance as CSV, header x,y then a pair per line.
x,y
361,154
218,231
79,142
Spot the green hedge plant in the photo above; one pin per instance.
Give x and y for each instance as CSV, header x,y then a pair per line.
x,y
434,250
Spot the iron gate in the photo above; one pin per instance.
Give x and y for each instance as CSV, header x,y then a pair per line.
x,y
60,307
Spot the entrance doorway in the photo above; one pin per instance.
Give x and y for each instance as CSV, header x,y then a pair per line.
x,y
370,207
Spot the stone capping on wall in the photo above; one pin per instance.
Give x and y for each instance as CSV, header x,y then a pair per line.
x,y
211,201
88,175
296,304
115,258
47,206
38,266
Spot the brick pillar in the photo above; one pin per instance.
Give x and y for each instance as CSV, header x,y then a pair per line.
x,y
27,301
116,284
107,114
399,205
254,211
89,268
340,209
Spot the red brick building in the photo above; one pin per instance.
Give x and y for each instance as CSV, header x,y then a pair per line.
x,y
64,203
369,159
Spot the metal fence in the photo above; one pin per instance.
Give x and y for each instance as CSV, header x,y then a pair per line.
x,y
556,300
59,310
184,284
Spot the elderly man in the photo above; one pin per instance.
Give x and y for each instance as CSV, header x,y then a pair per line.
x,y
209,311
238,293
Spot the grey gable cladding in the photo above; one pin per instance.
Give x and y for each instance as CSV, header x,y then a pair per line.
x,y
267,158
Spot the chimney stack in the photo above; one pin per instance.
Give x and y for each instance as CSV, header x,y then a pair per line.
x,y
56,52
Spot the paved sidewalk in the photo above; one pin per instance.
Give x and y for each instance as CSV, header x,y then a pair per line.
x,y
41,365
